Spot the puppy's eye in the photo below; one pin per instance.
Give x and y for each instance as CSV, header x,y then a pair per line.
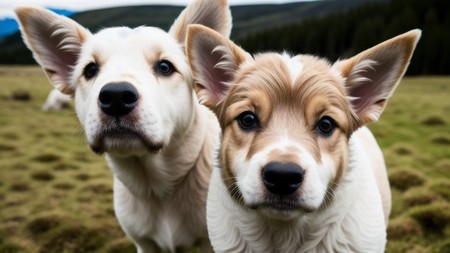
x,y
247,121
90,70
325,126
164,68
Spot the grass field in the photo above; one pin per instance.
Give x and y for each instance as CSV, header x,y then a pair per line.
x,y
56,195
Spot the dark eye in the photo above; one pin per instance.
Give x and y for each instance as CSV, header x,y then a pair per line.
x,y
326,126
247,121
90,70
164,67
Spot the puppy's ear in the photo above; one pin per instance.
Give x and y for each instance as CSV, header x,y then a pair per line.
x,y
373,75
214,14
55,42
214,60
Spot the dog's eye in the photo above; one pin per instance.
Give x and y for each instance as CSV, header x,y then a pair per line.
x,y
164,67
90,70
326,126
247,121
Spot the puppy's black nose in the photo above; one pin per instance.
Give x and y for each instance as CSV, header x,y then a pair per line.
x,y
282,178
118,99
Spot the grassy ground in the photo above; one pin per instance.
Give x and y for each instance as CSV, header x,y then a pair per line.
x,y
56,195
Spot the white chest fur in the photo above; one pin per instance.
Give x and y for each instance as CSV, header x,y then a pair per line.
x,y
161,221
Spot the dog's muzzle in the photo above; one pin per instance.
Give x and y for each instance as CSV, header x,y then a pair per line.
x,y
120,130
283,181
118,99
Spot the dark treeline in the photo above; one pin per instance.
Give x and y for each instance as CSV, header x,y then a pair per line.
x,y
342,35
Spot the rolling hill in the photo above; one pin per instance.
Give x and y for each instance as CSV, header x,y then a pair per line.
x,y
246,20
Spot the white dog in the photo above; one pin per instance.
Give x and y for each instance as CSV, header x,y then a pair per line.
x,y
134,96
298,171
56,101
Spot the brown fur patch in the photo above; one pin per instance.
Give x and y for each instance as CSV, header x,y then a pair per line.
x,y
213,14
284,156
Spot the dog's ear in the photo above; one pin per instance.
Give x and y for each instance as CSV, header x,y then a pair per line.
x,y
214,14
55,42
373,75
214,60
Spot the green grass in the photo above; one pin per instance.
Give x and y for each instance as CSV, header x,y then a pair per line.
x,y
414,135
56,195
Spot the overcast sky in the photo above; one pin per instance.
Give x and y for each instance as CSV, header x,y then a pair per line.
x,y
6,6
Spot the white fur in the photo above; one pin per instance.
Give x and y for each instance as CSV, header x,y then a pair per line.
x,y
159,193
249,181
294,65
149,192
163,97
355,223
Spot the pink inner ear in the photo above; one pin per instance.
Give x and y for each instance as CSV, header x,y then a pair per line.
x,y
63,64
215,72
55,43
61,58
217,88
372,82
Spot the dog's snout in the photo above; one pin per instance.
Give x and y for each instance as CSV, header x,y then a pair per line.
x,y
118,99
282,178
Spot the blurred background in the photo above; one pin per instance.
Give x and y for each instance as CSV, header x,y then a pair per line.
x,y
56,195
333,29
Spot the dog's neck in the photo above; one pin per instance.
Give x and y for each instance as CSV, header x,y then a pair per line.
x,y
326,230
157,174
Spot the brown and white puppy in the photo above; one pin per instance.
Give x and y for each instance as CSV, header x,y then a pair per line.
x,y
134,97
298,171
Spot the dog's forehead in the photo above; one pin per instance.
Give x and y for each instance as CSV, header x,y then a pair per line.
x,y
133,38
127,32
297,67
283,77
300,85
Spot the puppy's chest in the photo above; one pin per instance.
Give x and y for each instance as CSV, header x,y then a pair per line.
x,y
301,237
168,224
174,221
172,228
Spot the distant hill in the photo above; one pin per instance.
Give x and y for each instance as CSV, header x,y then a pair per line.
x,y
339,35
246,20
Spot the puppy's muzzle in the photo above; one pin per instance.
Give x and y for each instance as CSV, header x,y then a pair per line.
x,y
282,178
118,99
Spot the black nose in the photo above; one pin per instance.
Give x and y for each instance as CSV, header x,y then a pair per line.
x,y
118,99
282,178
